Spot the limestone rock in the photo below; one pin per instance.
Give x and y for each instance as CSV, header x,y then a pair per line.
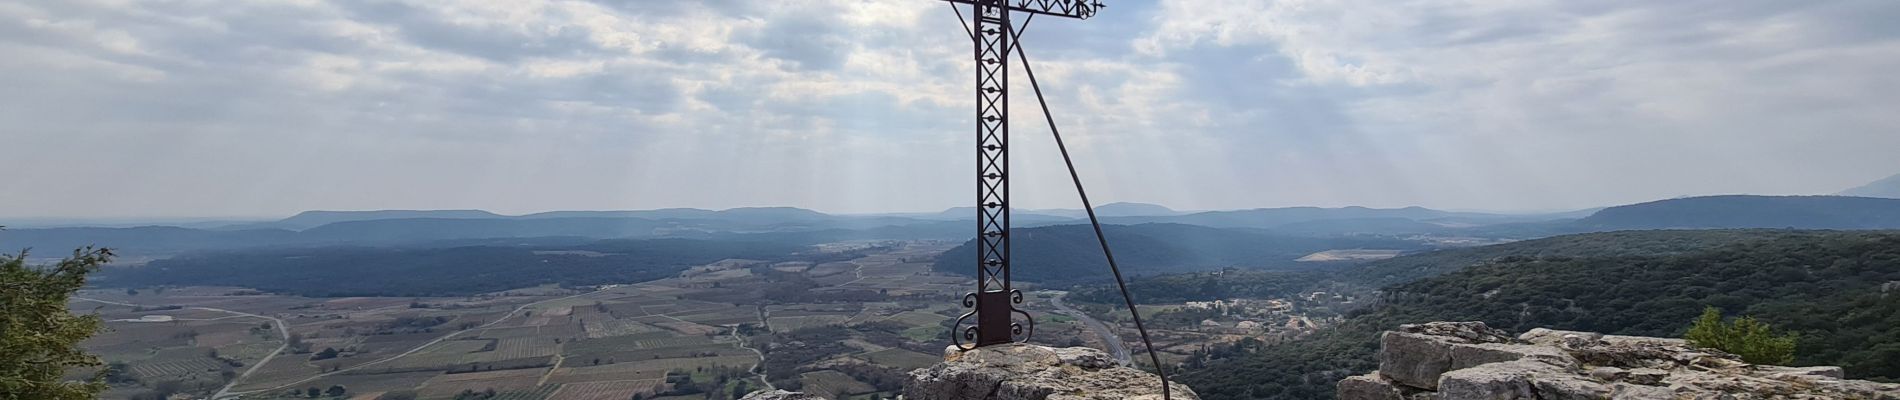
x,y
1370,387
1416,355
1030,372
1557,338
1828,372
1467,360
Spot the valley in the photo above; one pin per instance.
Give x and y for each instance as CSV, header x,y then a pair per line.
x,y
556,318
705,330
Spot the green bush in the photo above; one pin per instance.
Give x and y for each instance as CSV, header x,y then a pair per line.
x,y
1746,337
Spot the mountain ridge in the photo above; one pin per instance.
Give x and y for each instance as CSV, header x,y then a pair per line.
x,y
1888,187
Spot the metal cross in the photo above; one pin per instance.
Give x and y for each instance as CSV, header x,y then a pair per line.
x,y
992,37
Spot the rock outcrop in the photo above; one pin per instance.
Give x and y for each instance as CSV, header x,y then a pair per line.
x,y
1468,360
1030,372
1023,372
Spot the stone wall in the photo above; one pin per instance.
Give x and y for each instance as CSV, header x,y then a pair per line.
x,y
1468,360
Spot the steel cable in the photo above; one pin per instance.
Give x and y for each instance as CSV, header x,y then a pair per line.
x,y
1093,220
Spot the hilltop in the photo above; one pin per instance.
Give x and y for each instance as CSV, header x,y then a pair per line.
x,y
1799,212
1885,188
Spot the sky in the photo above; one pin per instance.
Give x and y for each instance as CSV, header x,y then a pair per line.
x,y
175,108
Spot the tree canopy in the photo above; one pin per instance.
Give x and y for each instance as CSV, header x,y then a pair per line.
x,y
1832,289
39,337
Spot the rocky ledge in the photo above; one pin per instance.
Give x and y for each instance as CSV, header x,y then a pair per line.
x,y
1030,372
1468,360
1024,372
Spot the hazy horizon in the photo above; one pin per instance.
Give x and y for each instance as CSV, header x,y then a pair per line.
x,y
263,109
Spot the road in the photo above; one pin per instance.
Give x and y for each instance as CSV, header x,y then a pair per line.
x,y
1109,338
282,332
504,317
761,369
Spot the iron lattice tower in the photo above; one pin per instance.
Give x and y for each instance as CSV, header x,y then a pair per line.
x,y
992,38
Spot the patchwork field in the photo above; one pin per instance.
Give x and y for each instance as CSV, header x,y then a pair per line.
x,y
702,332
834,384
608,390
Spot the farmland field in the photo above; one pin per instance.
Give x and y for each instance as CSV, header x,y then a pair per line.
x,y
605,343
835,384
900,358
607,390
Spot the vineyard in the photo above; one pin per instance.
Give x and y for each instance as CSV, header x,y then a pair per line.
x,y
607,390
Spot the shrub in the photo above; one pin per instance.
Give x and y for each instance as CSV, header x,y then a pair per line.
x,y
1746,337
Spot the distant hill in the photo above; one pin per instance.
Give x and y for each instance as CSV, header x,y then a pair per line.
x,y
312,219
412,230
412,227
664,213
1070,253
1717,212
1352,226
1343,220
1125,209
138,240
1825,286
1884,188
1268,218
763,222
1020,216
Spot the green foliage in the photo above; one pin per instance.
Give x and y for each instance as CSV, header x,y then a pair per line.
x,y
1624,244
1746,337
1824,286
39,337
1203,286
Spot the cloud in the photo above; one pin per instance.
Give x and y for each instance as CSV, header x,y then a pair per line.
x,y
270,107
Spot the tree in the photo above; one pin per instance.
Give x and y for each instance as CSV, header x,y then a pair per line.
x,y
119,372
336,391
296,344
312,392
38,335
1753,340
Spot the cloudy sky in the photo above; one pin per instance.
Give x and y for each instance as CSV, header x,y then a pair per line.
x,y
117,108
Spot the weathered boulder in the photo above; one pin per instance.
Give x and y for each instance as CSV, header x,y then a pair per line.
x,y
1467,360
1375,387
1506,380
1030,372
1417,355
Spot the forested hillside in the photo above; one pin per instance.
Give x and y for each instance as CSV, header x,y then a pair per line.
x,y
1622,243
1071,253
1835,289
1216,285
450,271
